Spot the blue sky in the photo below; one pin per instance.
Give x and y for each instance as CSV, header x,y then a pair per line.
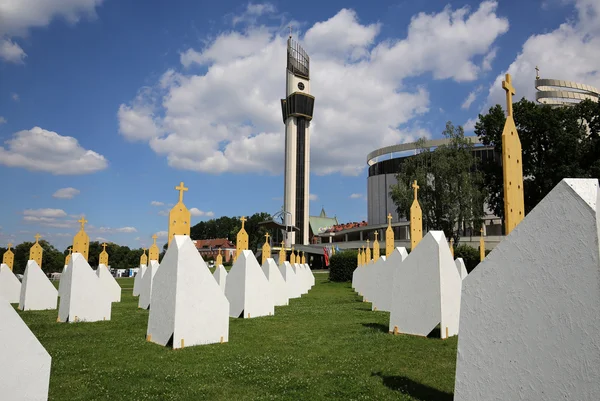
x,y
114,103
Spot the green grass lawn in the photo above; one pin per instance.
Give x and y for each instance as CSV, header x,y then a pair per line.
x,y
325,345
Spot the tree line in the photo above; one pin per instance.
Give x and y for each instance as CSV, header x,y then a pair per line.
x,y
124,257
228,227
53,260
455,185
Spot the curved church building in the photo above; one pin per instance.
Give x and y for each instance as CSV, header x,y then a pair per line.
x,y
558,92
385,163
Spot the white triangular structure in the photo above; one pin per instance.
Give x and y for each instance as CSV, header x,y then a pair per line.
x,y
137,280
248,290
272,273
61,281
303,284
111,287
372,271
373,284
10,286
85,298
529,315
25,367
187,306
460,266
367,274
37,292
308,277
146,284
382,299
356,278
311,275
220,276
426,290
359,279
291,281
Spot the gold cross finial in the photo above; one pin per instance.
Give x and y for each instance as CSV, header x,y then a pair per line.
x,y
181,188
219,252
9,245
104,246
37,238
154,237
510,91
389,220
368,242
376,234
82,221
267,237
537,72
416,188
70,250
144,249
243,220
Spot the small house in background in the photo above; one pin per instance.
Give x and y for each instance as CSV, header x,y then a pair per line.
x,y
209,248
320,224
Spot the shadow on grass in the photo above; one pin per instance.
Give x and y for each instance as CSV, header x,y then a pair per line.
x,y
412,388
364,309
377,326
435,333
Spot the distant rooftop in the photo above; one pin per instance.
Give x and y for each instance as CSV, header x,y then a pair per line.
x,y
321,223
213,243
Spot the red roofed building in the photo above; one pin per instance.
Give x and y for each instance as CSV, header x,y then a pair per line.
x,y
209,248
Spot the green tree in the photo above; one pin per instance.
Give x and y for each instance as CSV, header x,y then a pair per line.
x,y
94,253
52,259
228,227
555,142
451,185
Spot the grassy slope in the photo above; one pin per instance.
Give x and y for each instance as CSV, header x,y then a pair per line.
x,y
326,345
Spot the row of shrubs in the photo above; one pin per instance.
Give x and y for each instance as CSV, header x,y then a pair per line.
x,y
342,264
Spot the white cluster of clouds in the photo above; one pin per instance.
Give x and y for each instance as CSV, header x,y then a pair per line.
x,y
66,193
115,230
17,17
253,12
200,213
193,211
228,118
570,52
58,218
471,98
46,217
38,149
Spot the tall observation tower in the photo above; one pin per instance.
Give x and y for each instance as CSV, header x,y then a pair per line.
x,y
297,109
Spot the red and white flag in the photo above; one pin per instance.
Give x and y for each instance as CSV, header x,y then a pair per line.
x,y
326,254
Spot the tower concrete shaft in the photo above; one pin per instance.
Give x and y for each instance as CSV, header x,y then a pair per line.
x,y
297,110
